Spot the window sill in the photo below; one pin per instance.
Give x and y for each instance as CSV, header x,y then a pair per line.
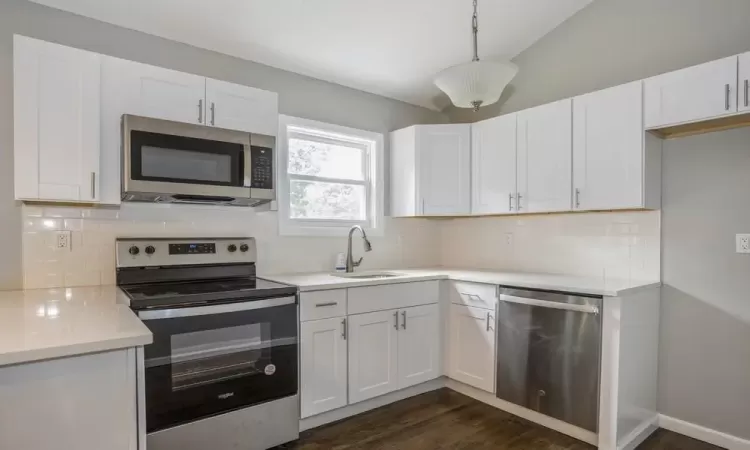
x,y
325,231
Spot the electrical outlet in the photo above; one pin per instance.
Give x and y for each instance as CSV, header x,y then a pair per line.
x,y
508,238
63,240
743,243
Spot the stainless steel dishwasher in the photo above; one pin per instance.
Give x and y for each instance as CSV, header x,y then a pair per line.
x,y
549,353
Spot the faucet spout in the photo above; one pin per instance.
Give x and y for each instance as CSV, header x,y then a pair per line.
x,y
350,262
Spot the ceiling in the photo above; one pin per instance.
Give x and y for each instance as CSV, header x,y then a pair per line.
x,y
387,47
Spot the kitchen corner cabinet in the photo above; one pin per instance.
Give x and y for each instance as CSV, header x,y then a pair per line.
x,y
323,356
471,346
56,92
430,170
693,94
544,158
615,164
86,403
493,165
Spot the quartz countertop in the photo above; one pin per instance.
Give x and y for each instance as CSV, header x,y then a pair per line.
x,y
552,282
38,324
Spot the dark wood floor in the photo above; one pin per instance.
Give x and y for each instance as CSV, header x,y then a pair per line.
x,y
445,419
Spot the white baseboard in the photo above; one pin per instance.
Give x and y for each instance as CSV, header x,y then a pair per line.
x,y
639,434
703,434
367,405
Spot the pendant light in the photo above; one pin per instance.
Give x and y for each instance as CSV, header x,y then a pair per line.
x,y
476,83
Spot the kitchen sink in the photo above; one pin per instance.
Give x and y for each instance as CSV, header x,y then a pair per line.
x,y
367,275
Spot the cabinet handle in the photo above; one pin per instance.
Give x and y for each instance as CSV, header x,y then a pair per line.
x,y
200,111
747,95
395,320
488,321
213,113
403,319
518,201
320,305
578,198
93,185
510,201
343,328
727,90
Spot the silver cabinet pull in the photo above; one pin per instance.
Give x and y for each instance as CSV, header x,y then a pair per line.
x,y
518,201
488,321
93,185
578,198
510,201
395,320
213,113
320,305
403,319
747,95
343,328
727,90
200,111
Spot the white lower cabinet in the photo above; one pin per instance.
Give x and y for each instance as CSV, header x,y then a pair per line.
x,y
323,365
373,350
471,346
418,345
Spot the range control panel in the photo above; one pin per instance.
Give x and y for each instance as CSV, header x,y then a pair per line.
x,y
146,252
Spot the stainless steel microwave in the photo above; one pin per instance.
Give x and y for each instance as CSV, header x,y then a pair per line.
x,y
174,162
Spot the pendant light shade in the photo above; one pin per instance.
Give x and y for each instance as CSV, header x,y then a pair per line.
x,y
476,83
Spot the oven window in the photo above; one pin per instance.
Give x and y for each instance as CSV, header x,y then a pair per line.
x,y
159,162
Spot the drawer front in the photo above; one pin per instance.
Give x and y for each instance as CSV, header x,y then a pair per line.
x,y
392,296
476,295
322,304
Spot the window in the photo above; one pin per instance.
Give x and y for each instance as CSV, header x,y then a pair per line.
x,y
330,178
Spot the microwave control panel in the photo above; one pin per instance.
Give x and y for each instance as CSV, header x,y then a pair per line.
x,y
261,163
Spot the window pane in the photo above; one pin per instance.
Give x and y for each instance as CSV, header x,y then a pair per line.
x,y
325,160
318,200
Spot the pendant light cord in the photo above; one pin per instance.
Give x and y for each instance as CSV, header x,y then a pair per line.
x,y
475,30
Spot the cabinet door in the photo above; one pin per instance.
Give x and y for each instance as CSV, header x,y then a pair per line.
x,y
443,165
493,165
373,358
744,83
692,94
56,122
151,91
324,369
418,345
608,148
242,108
85,403
545,158
471,346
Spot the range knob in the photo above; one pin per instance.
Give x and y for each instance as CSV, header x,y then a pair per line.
x,y
133,250
244,248
150,250
232,248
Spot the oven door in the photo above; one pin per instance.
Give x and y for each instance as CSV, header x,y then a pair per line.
x,y
209,360
161,156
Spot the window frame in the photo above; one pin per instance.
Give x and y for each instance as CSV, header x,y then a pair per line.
x,y
373,177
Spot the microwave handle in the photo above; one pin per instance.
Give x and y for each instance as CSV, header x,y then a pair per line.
x,y
248,169
215,309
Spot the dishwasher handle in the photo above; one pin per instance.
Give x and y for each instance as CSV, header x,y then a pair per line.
x,y
589,309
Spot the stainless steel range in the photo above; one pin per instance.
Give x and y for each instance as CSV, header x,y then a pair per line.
x,y
222,372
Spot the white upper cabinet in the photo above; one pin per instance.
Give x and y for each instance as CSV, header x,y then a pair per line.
x,y
544,158
323,370
693,94
471,346
243,108
430,170
56,122
744,83
418,345
373,351
609,150
493,165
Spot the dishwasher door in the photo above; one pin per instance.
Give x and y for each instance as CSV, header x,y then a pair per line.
x,y
549,353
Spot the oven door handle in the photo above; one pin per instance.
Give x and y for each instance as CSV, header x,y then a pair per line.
x,y
215,309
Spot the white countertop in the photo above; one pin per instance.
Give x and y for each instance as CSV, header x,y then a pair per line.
x,y
551,282
39,324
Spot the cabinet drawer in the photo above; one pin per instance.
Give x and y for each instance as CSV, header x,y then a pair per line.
x,y
474,294
392,296
322,304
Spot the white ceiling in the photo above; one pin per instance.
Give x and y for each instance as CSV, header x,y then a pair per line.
x,y
387,47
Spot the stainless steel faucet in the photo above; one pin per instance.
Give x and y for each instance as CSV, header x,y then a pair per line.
x,y
350,262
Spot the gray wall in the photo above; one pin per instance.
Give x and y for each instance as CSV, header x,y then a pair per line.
x,y
705,331
298,95
611,42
